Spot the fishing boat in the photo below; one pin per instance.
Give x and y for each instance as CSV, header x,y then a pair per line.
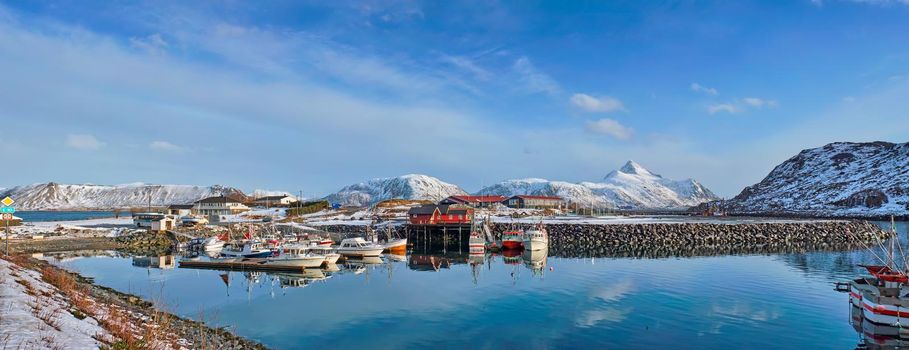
x,y
246,249
536,238
883,297
359,247
476,243
513,239
296,255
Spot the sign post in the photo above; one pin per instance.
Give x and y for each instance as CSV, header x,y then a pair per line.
x,y
7,210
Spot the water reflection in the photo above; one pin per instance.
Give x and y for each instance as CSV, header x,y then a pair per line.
x,y
430,299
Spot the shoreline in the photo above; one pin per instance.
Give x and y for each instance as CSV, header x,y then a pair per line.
x,y
135,319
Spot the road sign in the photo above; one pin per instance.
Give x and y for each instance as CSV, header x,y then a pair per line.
x,y
7,217
9,210
7,201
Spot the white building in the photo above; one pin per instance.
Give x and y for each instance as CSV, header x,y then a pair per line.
x,y
221,205
275,201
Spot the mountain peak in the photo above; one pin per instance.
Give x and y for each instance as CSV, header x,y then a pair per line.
x,y
633,168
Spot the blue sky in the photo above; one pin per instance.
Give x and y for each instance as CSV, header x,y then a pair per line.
x,y
295,96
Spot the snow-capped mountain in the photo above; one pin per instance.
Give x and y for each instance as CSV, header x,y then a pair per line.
x,y
54,196
631,186
412,186
839,179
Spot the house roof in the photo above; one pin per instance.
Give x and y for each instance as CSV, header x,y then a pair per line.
x,y
180,206
443,209
271,198
554,198
423,210
477,199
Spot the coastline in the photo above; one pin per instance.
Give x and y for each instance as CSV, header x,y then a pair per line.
x,y
129,320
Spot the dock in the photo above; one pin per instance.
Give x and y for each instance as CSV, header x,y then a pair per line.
x,y
244,264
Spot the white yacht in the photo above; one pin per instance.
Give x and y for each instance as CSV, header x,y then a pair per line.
x,y
212,244
328,252
359,247
296,255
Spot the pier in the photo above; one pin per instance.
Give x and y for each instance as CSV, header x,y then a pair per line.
x,y
242,265
453,237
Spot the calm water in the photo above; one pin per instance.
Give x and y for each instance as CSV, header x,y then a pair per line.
x,y
34,216
783,301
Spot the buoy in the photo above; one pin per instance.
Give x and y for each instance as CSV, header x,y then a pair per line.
x,y
550,268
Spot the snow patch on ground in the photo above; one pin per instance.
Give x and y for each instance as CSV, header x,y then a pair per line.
x,y
43,320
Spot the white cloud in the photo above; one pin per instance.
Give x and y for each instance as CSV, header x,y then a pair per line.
x,y
83,142
723,107
594,104
153,44
468,65
700,88
739,106
610,127
532,80
759,102
164,146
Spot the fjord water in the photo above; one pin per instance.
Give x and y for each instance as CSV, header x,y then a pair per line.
x,y
783,301
38,216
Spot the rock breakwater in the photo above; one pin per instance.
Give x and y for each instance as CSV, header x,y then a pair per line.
x,y
694,239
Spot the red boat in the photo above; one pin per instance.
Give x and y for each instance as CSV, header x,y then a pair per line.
x,y
513,239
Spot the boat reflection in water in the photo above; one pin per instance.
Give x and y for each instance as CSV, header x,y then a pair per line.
x,y
155,262
535,260
877,336
300,280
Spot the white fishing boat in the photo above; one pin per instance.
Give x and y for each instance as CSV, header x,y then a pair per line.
x,y
536,238
359,247
246,249
296,255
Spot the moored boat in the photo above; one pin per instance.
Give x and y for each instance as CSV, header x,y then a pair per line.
x,y
536,238
399,244
359,247
513,239
296,255
476,243
246,249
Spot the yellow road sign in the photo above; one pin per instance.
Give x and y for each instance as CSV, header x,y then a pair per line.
x,y
7,201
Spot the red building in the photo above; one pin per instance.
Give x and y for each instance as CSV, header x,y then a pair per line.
x,y
474,201
440,215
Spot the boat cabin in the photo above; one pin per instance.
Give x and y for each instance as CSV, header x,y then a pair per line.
x,y
355,243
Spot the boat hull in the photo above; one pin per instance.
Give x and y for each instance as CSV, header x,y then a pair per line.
x,y
231,254
397,245
306,262
361,252
332,258
535,245
513,244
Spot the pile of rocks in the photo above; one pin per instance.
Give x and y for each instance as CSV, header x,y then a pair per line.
x,y
145,241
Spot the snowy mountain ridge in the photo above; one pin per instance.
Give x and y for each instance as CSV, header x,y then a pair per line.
x,y
54,196
411,186
631,186
838,179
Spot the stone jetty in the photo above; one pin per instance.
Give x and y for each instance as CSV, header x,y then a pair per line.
x,y
703,238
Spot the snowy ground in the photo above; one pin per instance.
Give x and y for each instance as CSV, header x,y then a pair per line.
x,y
34,315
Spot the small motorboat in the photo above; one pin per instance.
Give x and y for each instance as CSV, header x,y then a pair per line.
x,y
212,244
359,247
513,239
246,249
296,255
536,238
